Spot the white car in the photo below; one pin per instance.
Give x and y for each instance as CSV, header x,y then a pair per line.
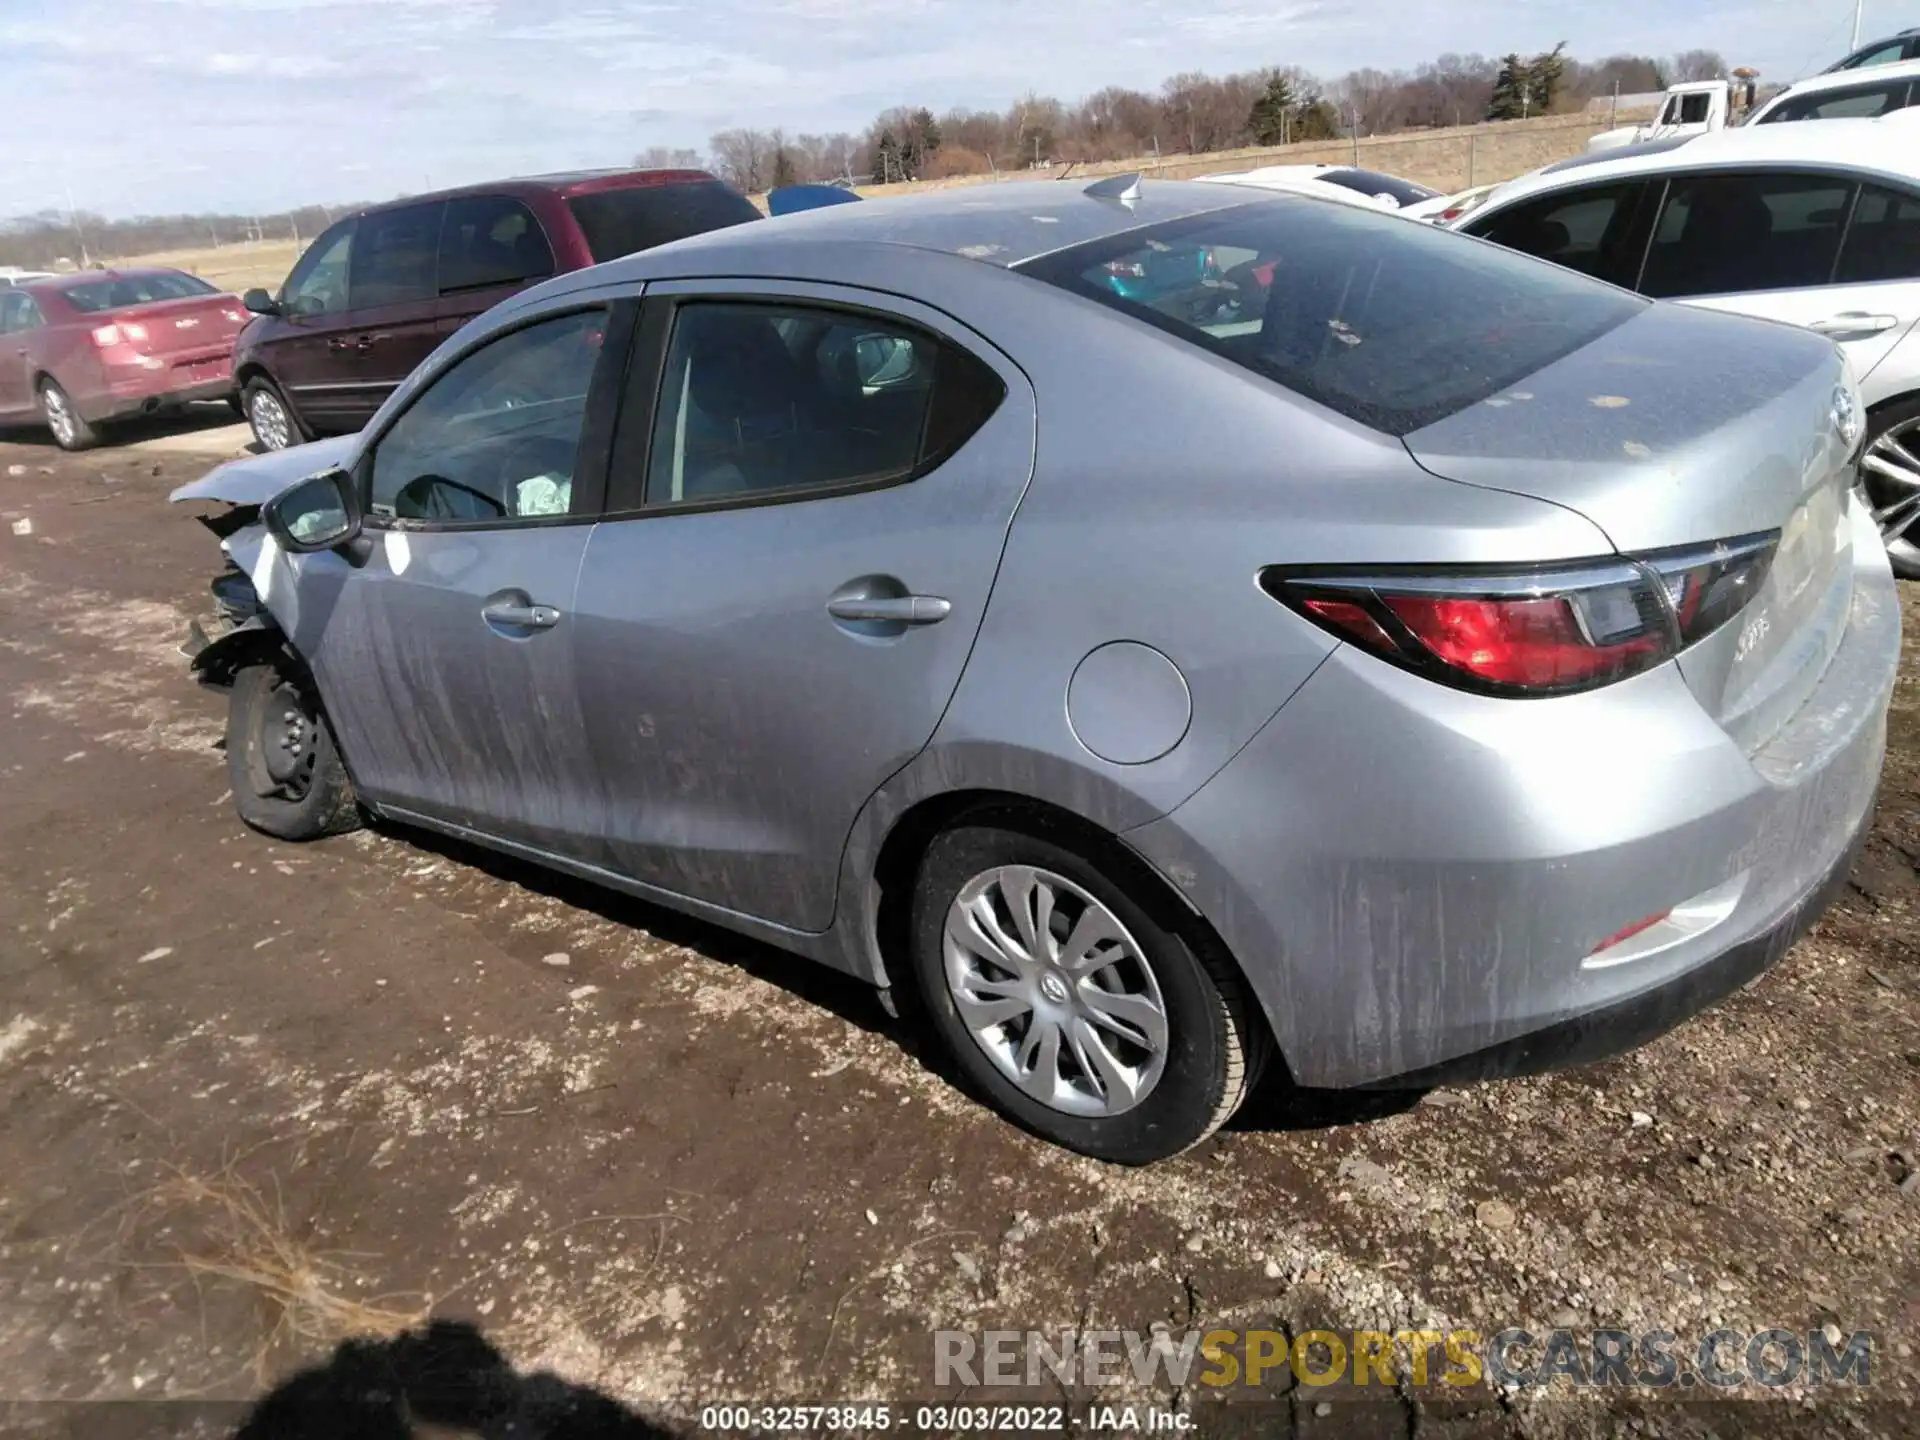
x,y
11,275
1844,95
1815,225
1346,183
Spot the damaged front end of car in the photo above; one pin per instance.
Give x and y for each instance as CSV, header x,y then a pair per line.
x,y
241,626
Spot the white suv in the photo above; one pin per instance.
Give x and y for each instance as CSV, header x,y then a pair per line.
x,y
1815,225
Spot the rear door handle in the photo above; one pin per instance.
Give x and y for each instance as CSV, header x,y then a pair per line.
x,y
521,617
1854,323
893,609
360,343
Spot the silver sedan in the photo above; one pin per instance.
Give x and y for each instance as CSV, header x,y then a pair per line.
x,y
1173,632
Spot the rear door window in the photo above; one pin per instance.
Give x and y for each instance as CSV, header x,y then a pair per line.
x,y
619,222
394,256
1600,230
1861,103
1729,234
490,240
1883,242
776,400
1394,324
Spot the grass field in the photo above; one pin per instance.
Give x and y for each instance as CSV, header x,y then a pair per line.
x,y
231,267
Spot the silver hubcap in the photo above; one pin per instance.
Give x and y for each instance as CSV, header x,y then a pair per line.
x,y
270,424
1891,472
59,417
1055,992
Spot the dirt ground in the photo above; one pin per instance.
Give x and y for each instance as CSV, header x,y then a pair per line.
x,y
255,1097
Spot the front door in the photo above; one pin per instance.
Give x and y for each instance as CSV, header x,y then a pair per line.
x,y
393,319
817,484
448,658
301,347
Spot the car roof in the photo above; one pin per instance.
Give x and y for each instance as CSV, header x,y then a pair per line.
x,y
1883,146
1267,173
1002,224
1847,79
563,183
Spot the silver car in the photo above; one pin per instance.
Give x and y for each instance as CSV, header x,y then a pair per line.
x,y
1168,630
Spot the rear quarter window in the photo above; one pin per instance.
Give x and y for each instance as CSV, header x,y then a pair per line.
x,y
1392,323
619,222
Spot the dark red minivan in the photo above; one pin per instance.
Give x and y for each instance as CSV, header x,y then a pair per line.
x,y
377,292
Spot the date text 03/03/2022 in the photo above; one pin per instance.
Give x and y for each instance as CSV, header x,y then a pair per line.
x,y
870,1418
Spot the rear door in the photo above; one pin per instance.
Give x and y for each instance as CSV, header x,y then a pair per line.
x,y
19,318
1812,249
393,322
448,657
1600,230
814,485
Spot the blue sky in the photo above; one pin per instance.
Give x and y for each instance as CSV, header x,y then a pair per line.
x,y
149,106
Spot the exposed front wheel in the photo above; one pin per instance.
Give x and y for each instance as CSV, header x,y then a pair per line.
x,y
273,425
70,429
1064,1001
1890,475
286,775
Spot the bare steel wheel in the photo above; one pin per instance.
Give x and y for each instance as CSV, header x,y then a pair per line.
x,y
1070,997
1055,991
1890,476
287,778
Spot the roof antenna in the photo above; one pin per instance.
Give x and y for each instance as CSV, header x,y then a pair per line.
x,y
1124,188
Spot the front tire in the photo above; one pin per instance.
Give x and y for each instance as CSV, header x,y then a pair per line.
x,y
269,416
70,429
286,774
1069,1006
1890,475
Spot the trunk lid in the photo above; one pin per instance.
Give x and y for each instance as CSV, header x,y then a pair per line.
x,y
1684,427
194,325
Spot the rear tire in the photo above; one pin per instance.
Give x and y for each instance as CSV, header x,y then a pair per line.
x,y
287,777
1156,1060
1893,439
70,429
270,417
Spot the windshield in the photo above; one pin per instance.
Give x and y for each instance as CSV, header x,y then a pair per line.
x,y
93,296
1371,182
619,222
1391,323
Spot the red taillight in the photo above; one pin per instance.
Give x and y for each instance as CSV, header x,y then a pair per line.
x,y
1548,631
125,332
106,336
1534,644
238,317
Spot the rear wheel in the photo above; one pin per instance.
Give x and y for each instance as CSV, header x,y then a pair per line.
x,y
1890,475
286,775
70,429
1064,1001
274,427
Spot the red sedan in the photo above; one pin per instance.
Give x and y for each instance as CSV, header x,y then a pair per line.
x,y
80,351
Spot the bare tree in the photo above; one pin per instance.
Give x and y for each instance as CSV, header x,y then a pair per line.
x,y
1699,65
743,158
663,157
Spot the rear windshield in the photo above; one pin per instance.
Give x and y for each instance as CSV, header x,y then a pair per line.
x,y
90,297
1372,182
619,222
1393,323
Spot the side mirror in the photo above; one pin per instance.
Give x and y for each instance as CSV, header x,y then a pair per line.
x,y
260,302
321,512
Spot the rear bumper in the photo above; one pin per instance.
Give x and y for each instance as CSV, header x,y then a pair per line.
x,y
1419,884
136,390
1628,1024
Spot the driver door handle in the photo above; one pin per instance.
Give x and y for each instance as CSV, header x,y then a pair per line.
x,y
893,609
524,617
1854,323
